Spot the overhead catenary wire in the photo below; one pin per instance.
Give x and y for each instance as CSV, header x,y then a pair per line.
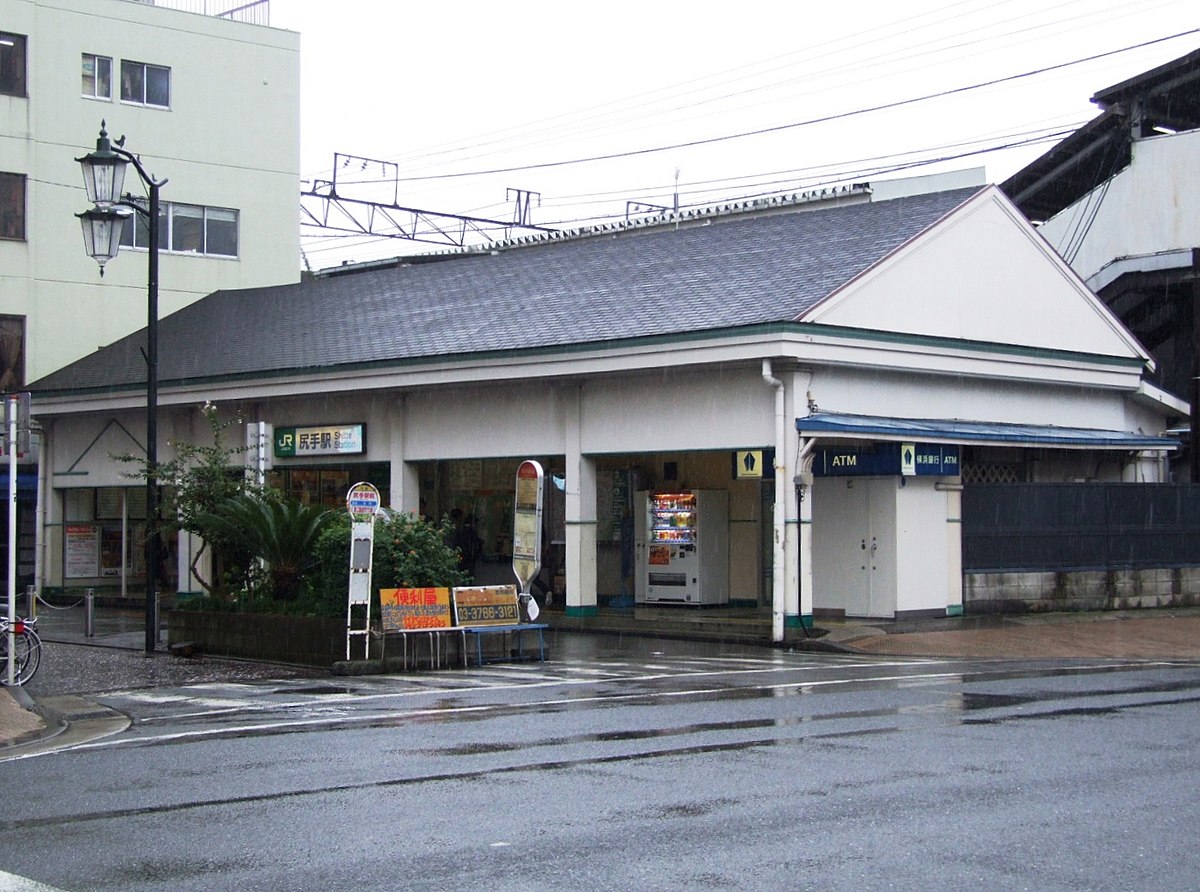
x,y
746,183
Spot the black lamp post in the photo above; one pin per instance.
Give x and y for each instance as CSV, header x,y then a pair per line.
x,y
103,177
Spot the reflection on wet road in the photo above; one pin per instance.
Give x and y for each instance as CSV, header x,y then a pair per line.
x,y
671,766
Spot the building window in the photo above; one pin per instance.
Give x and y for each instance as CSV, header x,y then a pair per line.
x,y
145,84
12,64
12,206
12,353
188,229
97,77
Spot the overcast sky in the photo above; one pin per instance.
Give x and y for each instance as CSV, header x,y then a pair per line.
x,y
717,102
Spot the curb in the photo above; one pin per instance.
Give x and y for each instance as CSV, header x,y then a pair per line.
x,y
52,723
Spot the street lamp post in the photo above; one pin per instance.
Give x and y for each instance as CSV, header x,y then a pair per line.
x,y
103,177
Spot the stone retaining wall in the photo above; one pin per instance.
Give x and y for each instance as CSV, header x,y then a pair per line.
x,y
1044,592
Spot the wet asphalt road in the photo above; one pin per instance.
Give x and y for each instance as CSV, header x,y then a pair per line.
x,y
661,765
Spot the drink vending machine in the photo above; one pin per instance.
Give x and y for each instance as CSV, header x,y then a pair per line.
x,y
682,547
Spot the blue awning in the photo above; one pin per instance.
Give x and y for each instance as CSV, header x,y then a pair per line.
x,y
932,430
26,482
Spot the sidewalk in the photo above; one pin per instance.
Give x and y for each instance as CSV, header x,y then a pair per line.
x,y
1129,635
75,665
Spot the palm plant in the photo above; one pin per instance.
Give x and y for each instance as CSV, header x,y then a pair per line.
x,y
280,532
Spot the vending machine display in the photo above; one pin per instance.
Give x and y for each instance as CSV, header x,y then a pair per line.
x,y
682,550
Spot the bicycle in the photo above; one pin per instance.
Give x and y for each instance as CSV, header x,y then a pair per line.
x,y
27,650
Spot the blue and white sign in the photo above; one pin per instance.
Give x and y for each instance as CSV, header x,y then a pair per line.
x,y
362,501
887,460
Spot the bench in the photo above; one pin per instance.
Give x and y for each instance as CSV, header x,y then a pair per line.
x,y
434,613
493,610
518,630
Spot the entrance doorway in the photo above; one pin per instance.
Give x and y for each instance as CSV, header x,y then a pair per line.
x,y
854,545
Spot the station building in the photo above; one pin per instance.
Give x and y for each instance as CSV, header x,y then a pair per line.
x,y
825,372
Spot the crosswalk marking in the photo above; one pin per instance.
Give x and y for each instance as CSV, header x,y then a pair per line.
x,y
10,882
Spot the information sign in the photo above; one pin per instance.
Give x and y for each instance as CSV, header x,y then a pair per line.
x,y
362,501
887,459
486,605
414,608
333,439
82,551
527,528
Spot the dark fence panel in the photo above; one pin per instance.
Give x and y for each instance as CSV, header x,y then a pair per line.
x,y
1079,526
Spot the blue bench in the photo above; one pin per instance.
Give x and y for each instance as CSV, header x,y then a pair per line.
x,y
516,629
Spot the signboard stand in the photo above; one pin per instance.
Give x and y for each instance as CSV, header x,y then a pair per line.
x,y
527,531
362,501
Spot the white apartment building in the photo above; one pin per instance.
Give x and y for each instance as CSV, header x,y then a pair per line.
x,y
208,103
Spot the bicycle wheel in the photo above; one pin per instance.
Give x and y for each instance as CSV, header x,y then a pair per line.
x,y
29,655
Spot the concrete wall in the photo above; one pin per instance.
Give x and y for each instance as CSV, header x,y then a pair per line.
x,y
1150,207
1081,590
230,140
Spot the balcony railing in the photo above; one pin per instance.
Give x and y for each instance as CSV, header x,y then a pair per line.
x,y
252,12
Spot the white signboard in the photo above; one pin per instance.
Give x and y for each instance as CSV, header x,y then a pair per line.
x,y
527,530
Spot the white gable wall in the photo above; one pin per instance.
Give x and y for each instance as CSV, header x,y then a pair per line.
x,y
982,274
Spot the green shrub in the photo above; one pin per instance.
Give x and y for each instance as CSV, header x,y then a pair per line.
x,y
409,552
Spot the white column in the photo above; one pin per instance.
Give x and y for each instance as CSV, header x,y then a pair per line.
x,y
405,495
580,512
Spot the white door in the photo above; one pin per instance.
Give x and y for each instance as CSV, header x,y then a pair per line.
x,y
877,547
854,553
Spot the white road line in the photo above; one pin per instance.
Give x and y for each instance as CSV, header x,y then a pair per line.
x,y
10,882
505,685
443,712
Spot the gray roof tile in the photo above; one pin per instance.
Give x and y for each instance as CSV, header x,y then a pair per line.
x,y
627,284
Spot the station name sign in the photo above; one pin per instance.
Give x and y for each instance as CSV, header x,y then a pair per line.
x,y
331,439
887,460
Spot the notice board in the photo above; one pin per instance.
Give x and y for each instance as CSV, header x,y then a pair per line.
x,y
414,608
486,605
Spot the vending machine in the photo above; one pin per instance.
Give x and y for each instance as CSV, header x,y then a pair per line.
x,y
682,547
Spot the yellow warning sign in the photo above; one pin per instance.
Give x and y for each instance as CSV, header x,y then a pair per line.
x,y
748,464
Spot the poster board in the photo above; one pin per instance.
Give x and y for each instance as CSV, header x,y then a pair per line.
x,y
527,523
402,609
81,557
486,605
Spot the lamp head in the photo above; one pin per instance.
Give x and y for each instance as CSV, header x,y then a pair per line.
x,y
102,228
103,172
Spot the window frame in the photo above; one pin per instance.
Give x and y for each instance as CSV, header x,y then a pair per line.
x,y
22,213
15,53
136,235
144,69
96,59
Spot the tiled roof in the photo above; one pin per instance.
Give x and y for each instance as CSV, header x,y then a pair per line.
x,y
631,284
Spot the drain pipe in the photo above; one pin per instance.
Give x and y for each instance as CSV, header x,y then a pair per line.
x,y
778,556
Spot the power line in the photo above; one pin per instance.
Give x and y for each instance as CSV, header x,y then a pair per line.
x,y
840,116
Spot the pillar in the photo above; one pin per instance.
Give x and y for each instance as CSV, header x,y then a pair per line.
x,y
580,512
405,481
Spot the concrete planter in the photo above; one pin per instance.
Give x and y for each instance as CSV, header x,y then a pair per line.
x,y
311,641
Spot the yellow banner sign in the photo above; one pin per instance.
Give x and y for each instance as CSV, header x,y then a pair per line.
x,y
414,608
